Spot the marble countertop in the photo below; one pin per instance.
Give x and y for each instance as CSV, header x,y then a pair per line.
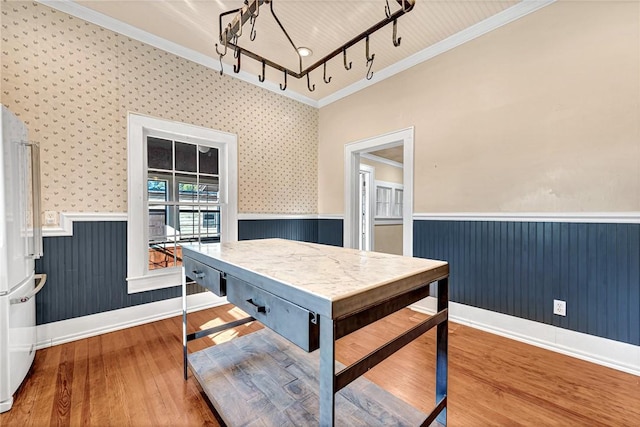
x,y
326,279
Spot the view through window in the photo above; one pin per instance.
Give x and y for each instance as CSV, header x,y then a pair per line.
x,y
183,202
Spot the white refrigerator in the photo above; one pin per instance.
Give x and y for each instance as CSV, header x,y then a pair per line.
x,y
20,245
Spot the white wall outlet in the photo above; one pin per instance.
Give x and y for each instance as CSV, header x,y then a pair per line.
x,y
50,217
559,307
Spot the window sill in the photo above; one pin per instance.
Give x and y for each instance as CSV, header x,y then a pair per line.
x,y
167,278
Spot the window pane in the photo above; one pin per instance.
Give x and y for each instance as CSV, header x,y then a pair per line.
x,y
159,154
185,157
189,222
187,189
157,190
208,159
163,236
210,225
208,190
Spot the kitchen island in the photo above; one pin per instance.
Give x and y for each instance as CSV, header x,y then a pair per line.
x,y
311,295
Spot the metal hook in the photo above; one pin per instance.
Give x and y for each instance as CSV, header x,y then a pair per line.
x,y
261,77
223,53
236,49
239,33
369,58
396,39
252,34
387,10
324,74
369,72
221,70
236,69
344,52
285,82
311,88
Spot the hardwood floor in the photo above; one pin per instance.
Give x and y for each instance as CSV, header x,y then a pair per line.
x,y
134,377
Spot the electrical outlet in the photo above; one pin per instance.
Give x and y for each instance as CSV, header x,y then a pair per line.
x,y
559,307
50,217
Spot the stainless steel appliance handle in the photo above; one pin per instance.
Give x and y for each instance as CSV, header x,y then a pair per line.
x,y
25,298
35,194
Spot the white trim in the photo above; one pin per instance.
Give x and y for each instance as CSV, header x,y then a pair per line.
x,y
258,216
66,220
78,328
388,221
74,9
602,351
382,160
352,152
582,217
331,216
138,127
498,20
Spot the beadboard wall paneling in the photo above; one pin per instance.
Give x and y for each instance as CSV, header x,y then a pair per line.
x,y
519,268
73,83
330,232
86,273
305,230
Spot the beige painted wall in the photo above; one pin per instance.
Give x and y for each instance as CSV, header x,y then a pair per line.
x,y
73,83
384,172
540,115
388,239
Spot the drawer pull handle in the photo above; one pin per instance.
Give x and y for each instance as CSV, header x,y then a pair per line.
x,y
198,274
257,307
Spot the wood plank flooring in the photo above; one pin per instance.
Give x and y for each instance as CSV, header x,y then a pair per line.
x,y
134,377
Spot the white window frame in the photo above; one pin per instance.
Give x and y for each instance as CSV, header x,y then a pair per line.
x,y
139,277
391,217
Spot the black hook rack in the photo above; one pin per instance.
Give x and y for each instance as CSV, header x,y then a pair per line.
x,y
311,88
369,72
252,33
396,39
236,68
229,37
347,67
324,74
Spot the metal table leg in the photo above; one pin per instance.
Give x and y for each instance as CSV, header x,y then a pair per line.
x,y
442,340
327,371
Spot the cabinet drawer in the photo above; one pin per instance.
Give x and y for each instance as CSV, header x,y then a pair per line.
x,y
205,276
289,320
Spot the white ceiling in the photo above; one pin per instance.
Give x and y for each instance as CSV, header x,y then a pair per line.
x,y
190,27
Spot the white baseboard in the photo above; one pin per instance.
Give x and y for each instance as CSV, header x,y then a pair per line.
x,y
78,328
613,354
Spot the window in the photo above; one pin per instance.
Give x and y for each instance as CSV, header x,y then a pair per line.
x,y
383,201
182,189
389,200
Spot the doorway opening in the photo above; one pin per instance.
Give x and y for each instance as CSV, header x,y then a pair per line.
x,y
393,201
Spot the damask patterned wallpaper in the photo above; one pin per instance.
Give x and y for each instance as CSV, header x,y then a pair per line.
x,y
73,83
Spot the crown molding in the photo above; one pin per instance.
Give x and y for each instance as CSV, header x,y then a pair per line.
x,y
498,20
82,12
